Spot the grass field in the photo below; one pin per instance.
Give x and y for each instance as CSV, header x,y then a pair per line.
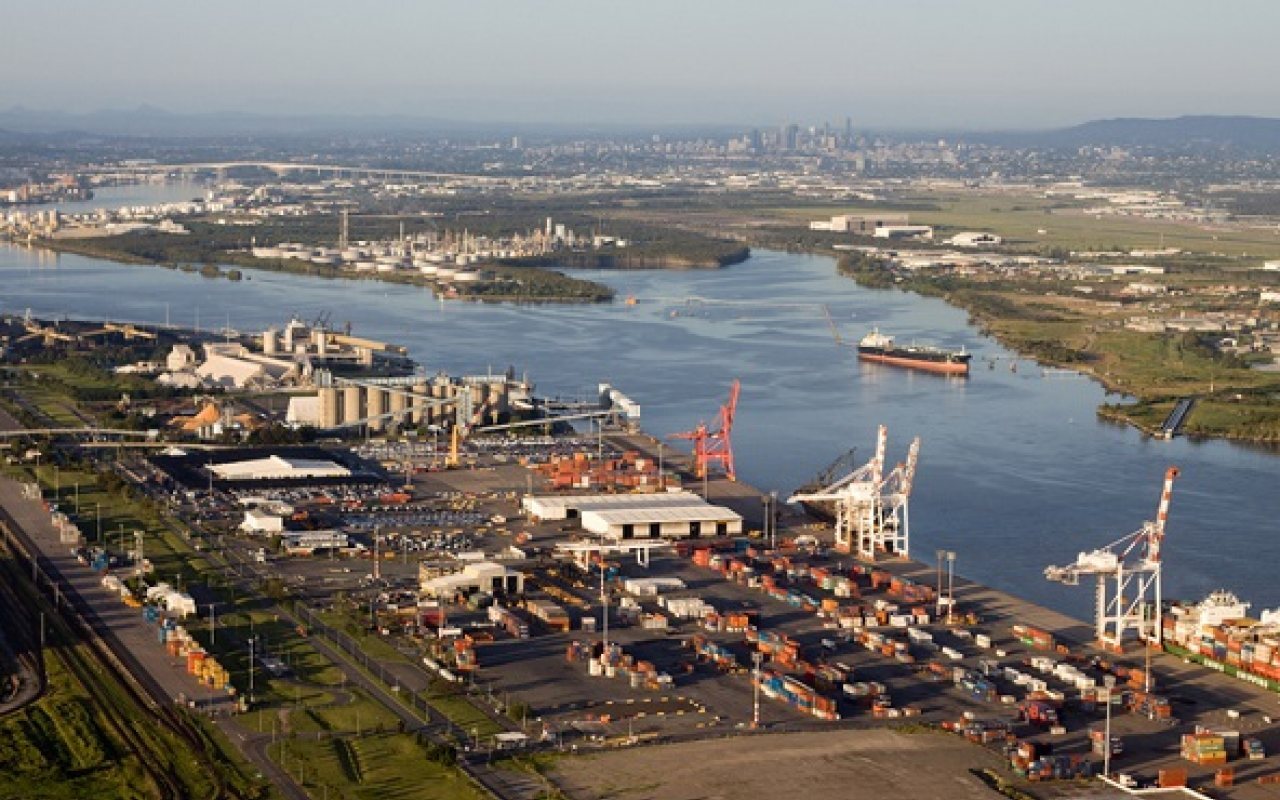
x,y
1020,218
59,748
372,767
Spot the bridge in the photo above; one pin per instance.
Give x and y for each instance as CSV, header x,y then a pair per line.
x,y
1173,423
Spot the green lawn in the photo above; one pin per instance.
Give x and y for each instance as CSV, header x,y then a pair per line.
x,y
375,767
1020,218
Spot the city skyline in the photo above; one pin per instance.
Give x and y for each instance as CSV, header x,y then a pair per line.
x,y
921,64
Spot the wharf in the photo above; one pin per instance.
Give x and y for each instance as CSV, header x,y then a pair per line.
x,y
1199,695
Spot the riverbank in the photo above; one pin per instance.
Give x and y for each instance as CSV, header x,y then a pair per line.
x,y
1152,370
520,284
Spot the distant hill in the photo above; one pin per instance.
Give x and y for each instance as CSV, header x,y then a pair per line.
x,y
1253,134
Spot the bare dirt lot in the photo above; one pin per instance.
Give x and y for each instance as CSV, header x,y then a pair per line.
x,y
855,764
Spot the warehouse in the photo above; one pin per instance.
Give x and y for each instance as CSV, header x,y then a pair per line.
x,y
555,507
305,543
662,522
275,467
484,576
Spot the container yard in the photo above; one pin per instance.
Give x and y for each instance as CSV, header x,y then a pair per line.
x,y
572,572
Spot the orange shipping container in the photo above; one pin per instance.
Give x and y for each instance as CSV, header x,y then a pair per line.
x,y
1172,778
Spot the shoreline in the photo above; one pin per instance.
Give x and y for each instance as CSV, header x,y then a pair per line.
x,y
1113,412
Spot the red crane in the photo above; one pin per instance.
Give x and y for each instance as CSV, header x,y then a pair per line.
x,y
714,447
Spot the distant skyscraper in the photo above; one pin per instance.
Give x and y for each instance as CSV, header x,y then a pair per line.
x,y
756,141
788,137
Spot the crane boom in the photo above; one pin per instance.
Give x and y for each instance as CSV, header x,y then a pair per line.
x,y
1130,589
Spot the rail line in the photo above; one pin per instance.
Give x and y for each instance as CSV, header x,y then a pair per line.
x,y
68,618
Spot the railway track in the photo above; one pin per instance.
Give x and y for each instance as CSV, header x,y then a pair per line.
x,y
100,671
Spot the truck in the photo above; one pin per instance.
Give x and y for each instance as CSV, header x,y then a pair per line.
x,y
1039,712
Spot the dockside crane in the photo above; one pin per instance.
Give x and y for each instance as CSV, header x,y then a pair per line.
x,y
128,330
1129,591
715,447
871,510
895,495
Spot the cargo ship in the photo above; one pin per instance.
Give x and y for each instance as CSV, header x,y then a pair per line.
x,y
1216,633
877,347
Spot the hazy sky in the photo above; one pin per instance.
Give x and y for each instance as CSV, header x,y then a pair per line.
x,y
923,63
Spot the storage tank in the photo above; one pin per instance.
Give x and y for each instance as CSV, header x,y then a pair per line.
x,y
398,404
419,394
329,408
351,403
466,276
270,342
377,405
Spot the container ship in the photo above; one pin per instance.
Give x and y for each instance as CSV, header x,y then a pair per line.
x,y
877,347
1217,634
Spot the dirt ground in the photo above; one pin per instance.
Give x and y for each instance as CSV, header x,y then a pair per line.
x,y
851,764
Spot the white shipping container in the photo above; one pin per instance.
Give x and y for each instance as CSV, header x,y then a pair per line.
x,y
982,640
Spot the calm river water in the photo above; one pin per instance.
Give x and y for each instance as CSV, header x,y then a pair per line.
x,y
1015,470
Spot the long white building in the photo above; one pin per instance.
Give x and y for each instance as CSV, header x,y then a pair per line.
x,y
664,515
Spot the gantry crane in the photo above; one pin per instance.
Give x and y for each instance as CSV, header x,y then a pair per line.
x,y
714,447
871,510
47,334
1130,594
128,330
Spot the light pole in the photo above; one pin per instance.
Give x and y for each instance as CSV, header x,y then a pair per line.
x,y
662,480
97,507
951,585
938,605
253,640
1109,681
773,519
213,624
756,658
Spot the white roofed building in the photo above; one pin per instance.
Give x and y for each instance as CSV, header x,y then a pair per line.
x,y
484,576
276,467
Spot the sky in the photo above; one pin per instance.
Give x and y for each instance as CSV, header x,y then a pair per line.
x,y
939,64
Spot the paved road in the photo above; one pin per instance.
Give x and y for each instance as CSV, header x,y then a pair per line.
x,y
254,748
132,634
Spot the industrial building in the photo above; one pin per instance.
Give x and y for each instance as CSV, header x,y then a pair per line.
x,y
555,507
858,224
305,543
903,232
419,401
974,239
276,467
257,520
483,576
670,515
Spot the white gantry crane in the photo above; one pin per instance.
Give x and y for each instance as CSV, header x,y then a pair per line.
x,y
1128,572
871,510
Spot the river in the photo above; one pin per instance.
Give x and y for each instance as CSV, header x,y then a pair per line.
x,y
1016,472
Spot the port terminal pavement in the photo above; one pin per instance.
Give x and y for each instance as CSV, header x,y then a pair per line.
x,y
103,608
1200,696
